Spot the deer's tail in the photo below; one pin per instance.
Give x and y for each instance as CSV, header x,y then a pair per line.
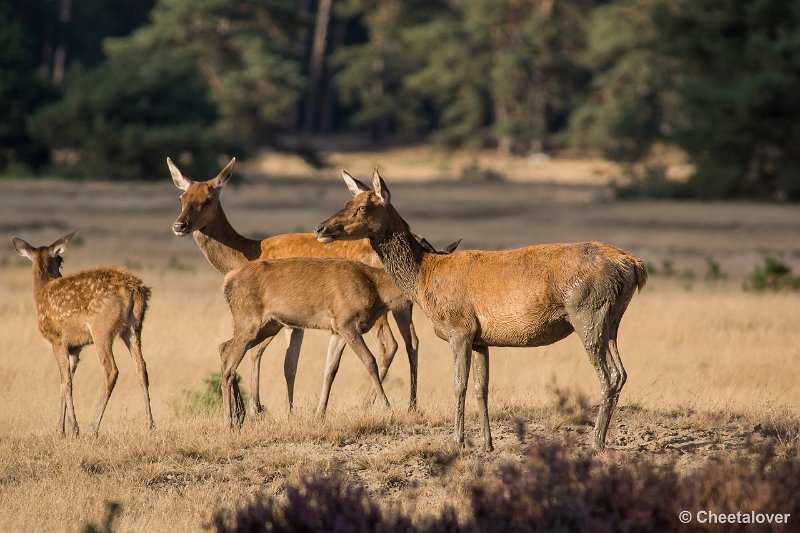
x,y
640,272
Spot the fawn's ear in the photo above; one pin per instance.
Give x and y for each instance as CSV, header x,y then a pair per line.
x,y
180,181
60,246
224,175
379,186
21,247
450,248
355,186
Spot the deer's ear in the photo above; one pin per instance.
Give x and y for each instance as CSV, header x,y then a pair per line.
x,y
450,248
379,186
60,246
355,186
21,247
224,175
180,181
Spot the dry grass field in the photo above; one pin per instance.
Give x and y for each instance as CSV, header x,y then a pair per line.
x,y
711,368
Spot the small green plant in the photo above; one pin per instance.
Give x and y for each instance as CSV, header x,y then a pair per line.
x,y
176,264
113,510
474,173
207,399
647,181
772,275
133,265
713,270
667,269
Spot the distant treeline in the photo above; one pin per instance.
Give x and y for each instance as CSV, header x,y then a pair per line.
x,y
109,88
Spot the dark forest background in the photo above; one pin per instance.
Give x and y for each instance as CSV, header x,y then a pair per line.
x,y
107,88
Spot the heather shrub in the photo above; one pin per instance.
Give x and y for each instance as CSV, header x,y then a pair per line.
x,y
551,489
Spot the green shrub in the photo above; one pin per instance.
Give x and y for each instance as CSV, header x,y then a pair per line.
x,y
207,399
713,270
772,275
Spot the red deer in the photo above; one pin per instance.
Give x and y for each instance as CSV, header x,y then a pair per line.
x,y
531,296
90,307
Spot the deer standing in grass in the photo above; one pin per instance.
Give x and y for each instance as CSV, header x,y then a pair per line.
x,y
475,299
202,216
344,297
90,307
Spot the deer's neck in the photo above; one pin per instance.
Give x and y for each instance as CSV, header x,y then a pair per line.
x,y
400,253
41,276
223,246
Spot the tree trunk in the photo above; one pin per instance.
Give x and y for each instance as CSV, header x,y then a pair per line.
x,y
317,59
60,54
329,99
300,45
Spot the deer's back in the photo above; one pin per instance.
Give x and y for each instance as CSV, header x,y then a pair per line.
x,y
67,305
306,245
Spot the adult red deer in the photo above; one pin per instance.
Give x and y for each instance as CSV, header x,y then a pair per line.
x,y
475,299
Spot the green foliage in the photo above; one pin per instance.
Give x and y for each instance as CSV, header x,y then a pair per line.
x,y
370,76
632,100
713,270
22,90
647,181
772,274
122,119
507,88
207,399
242,51
740,70
113,510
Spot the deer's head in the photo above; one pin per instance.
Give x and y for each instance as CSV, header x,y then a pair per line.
x,y
363,216
46,260
200,199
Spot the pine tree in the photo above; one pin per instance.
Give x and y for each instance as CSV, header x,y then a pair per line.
x,y
740,65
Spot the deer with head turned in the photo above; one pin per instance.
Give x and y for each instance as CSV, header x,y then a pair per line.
x,y
475,299
202,216
90,307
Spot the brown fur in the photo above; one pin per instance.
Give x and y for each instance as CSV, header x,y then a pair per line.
x,y
90,307
531,296
202,216
346,298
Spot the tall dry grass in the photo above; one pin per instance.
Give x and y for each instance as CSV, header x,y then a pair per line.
x,y
708,350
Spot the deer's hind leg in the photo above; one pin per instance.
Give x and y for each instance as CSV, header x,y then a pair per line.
x,y
255,375
132,337
103,341
67,409
592,326
386,350
618,374
356,342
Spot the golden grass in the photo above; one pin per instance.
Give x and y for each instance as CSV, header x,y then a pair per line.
x,y
709,368
419,163
690,355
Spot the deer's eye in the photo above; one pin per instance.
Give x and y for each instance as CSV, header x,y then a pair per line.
x,y
361,209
